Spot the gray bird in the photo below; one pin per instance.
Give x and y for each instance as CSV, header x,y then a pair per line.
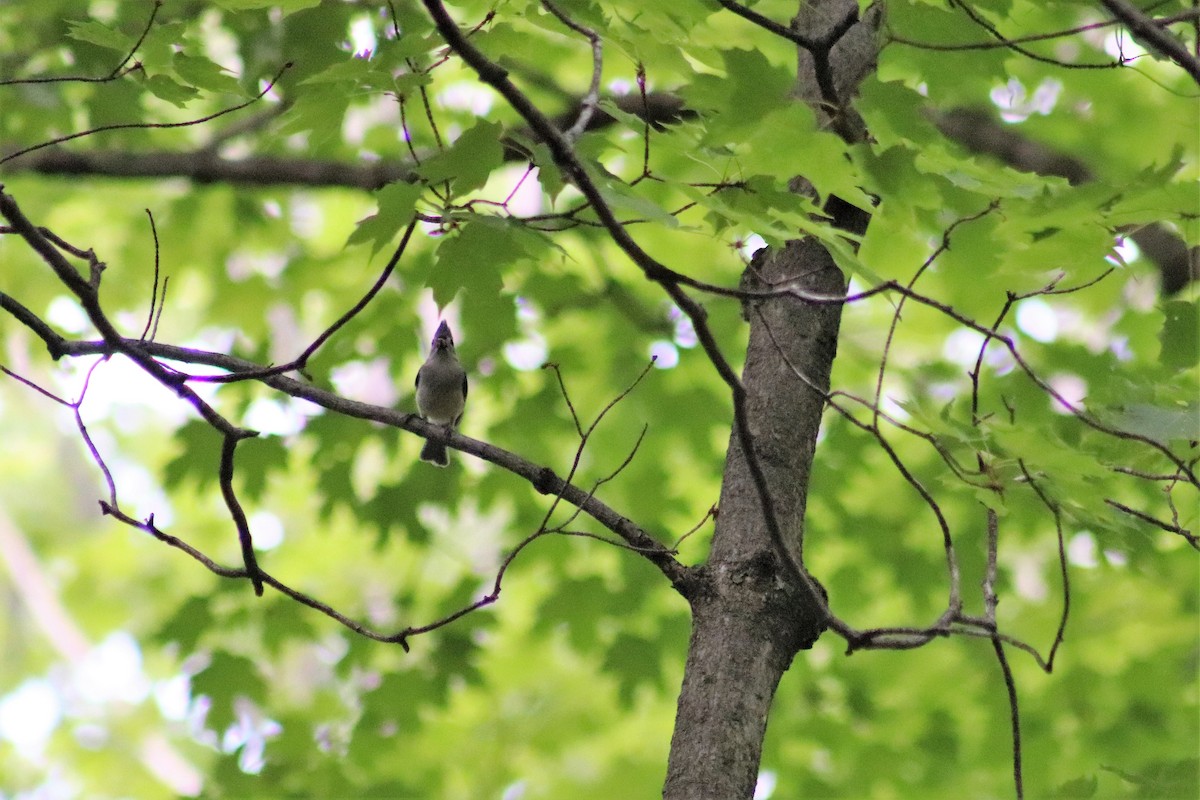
x,y
441,391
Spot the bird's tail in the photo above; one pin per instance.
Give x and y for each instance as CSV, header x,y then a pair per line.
x,y
435,453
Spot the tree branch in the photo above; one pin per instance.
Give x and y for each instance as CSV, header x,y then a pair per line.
x,y
87,291
981,132
205,166
1146,29
225,477
1187,15
147,125
1063,570
543,479
1014,714
1190,537
145,353
116,72
592,99
1011,44
564,157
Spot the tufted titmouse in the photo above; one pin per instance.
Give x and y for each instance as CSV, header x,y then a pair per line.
x,y
441,391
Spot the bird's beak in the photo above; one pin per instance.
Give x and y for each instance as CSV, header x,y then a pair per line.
x,y
442,336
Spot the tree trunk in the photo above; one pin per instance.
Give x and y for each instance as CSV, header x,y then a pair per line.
x,y
750,616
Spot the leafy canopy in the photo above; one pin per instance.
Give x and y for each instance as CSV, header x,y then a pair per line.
x,y
566,685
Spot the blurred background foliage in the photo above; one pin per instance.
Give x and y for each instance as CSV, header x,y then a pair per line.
x,y
129,670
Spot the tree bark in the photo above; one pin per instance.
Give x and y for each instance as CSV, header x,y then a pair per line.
x,y
750,615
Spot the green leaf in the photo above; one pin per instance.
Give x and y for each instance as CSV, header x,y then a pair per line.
x,y
751,89
255,460
226,678
198,459
1166,778
187,625
787,143
285,6
577,606
895,115
202,73
635,661
99,34
549,175
318,112
396,203
286,627
350,71
1180,336
624,198
1161,423
1078,789
469,161
474,258
170,90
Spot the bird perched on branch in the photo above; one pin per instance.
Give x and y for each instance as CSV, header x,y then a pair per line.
x,y
441,391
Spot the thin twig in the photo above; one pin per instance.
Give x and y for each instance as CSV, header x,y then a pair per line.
x,y
116,71
607,478
770,25
585,436
982,22
1168,477
1056,512
641,84
162,303
895,322
148,125
1014,715
1192,15
486,600
592,99
599,538
959,471
225,476
562,387
406,134
710,514
87,291
989,576
77,407
1159,38
954,603
301,361
154,288
58,241
40,390
1191,538
53,341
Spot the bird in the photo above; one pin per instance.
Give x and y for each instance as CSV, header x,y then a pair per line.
x,y
441,391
